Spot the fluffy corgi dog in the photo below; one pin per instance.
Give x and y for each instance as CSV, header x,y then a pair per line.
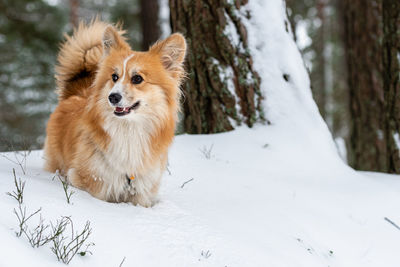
x,y
115,120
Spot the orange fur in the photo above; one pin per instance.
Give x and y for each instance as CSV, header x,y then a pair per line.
x,y
86,141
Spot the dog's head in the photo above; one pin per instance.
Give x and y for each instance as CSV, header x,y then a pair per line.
x,y
140,85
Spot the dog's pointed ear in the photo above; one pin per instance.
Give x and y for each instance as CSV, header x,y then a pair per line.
x,y
172,53
112,40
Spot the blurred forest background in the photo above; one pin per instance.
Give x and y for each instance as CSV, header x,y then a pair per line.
x,y
318,29
30,33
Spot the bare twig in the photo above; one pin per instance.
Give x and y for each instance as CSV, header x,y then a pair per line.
x,y
206,151
19,158
19,193
169,172
68,193
38,237
188,181
122,262
23,218
392,223
66,248
206,254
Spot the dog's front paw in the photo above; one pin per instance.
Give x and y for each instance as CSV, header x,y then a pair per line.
x,y
143,200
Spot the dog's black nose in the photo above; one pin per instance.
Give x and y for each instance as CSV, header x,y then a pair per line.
x,y
114,98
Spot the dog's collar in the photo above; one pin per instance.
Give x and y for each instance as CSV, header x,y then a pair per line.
x,y
129,178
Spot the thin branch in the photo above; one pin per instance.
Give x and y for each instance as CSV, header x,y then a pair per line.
x,y
38,236
19,159
188,181
206,151
122,262
169,172
206,254
66,250
19,193
23,218
392,223
68,193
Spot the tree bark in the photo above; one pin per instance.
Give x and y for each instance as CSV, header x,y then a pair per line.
x,y
73,12
149,22
222,88
319,80
367,148
391,81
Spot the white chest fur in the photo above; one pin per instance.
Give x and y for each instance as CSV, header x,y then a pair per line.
x,y
128,147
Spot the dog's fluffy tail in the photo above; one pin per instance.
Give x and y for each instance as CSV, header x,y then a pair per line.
x,y
78,59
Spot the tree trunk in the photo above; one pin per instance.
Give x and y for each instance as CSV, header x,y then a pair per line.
x,y
340,89
149,21
73,12
319,85
363,54
391,58
222,88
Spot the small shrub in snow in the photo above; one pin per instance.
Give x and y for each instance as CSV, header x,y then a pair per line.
x,y
206,254
68,193
38,236
63,246
19,158
206,151
20,212
23,218
19,193
66,247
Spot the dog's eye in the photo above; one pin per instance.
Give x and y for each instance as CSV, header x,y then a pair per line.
x,y
136,79
114,77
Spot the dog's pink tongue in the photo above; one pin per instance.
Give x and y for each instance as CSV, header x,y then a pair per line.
x,y
119,109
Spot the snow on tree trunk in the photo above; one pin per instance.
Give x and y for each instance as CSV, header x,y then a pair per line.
x,y
222,88
285,83
277,85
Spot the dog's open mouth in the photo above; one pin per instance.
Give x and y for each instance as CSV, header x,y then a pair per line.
x,y
121,111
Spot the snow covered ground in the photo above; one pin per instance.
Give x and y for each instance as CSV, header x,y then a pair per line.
x,y
274,195
262,199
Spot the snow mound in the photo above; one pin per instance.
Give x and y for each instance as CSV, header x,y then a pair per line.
x,y
285,82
